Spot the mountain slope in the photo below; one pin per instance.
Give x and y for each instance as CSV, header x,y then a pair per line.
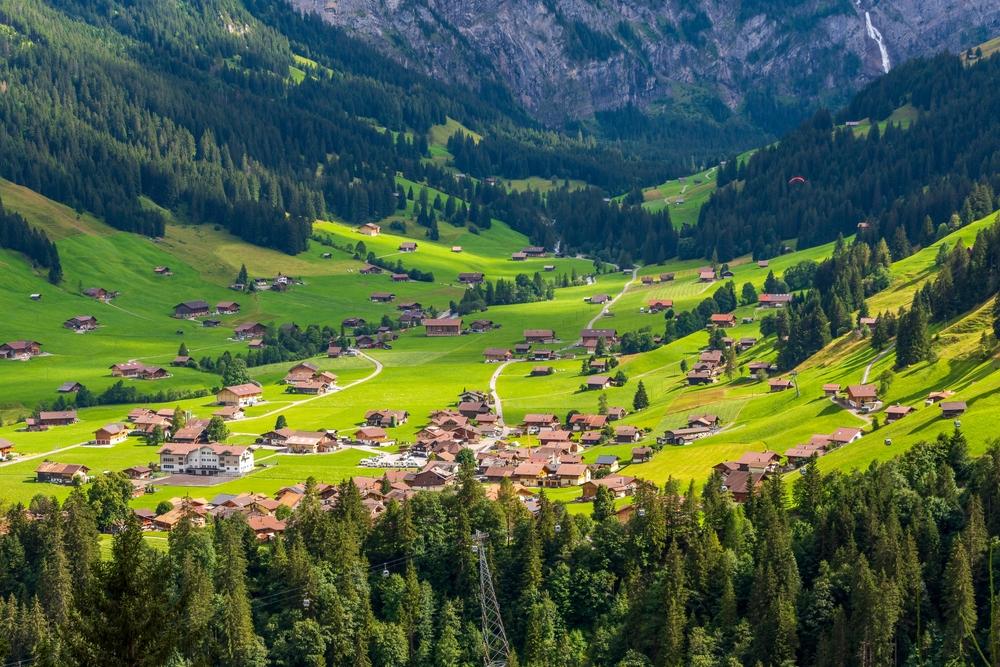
x,y
571,58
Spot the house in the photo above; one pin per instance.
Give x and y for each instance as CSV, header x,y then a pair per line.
x,y
627,434
409,305
831,390
616,413
619,485
598,299
539,336
20,349
707,420
249,330
61,473
309,442
314,387
111,434
642,454
700,377
69,387
535,422
774,300
801,454
761,368
98,293
538,371
742,484
494,355
936,396
591,438
867,321
722,320
456,248
569,474
138,472
431,478
386,418
265,527
47,419
549,267
779,384
473,409
582,422
370,229
606,462
301,371
598,382
230,413
180,360
896,412
659,305
370,435
766,461
763,263
370,270
845,435
162,271
590,337
240,395
470,278
227,308
205,459
646,280
334,351
862,396
529,473
745,343
192,432
952,409
189,309
408,246
683,436
482,326
81,323
400,278
706,275
382,297
666,277
534,251
443,327
518,257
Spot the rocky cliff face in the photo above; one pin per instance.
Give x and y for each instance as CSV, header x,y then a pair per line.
x,y
569,58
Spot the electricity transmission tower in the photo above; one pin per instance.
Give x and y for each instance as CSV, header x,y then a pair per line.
x,y
497,651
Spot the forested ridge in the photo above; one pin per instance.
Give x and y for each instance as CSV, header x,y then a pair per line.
x,y
890,565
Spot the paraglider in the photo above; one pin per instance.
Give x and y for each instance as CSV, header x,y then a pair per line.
x,y
796,179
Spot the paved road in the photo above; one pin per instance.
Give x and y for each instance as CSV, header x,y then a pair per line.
x,y
607,306
497,403
40,455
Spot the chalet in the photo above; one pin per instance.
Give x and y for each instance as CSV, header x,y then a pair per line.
x,y
952,409
81,323
470,278
162,271
598,299
98,293
430,478
659,305
351,322
774,300
535,422
591,438
240,395
706,276
382,297
193,431
800,455
411,318
230,413
700,377
616,413
518,257
180,360
190,309
742,484
539,336
494,355
766,461
862,396
227,308
370,229
896,412
366,342
400,278
666,277
627,434
409,305
473,409
845,435
553,436
936,396
529,473
265,527
569,474
761,368
538,371
443,327
831,390
534,251
606,462
69,387
111,434
646,280
138,370
722,320
20,350
482,326
138,472
779,384
61,473
249,330
370,435
522,349
386,418
582,422
707,420
590,337
710,358
867,321
549,267
763,263
598,382
641,454
370,270
544,355
408,246
205,459
619,485
745,343
313,387
309,442
683,436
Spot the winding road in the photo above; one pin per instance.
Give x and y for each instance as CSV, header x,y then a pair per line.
x,y
607,306
497,404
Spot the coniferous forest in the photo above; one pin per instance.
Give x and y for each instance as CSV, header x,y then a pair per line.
x,y
891,565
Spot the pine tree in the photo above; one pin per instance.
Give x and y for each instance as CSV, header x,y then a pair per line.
x,y
182,351
640,401
996,316
959,602
602,404
239,645
242,278
280,423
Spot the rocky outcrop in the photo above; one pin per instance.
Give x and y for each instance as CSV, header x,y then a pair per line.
x,y
570,58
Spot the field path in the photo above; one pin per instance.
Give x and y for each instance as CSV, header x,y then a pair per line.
x,y
497,404
32,457
878,358
607,306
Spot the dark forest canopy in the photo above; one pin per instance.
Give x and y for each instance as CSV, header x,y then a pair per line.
x,y
893,179
890,565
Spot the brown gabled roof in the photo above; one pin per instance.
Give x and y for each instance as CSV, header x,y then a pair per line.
x,y
248,389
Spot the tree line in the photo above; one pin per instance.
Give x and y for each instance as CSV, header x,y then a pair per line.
x,y
16,234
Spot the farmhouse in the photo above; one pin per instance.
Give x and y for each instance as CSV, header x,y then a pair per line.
x,y
641,454
774,300
20,349
744,344
952,409
309,442
408,246
659,305
518,257
240,395
230,413
741,484
936,396
205,459
497,354
707,420
443,327
400,278
138,472
627,434
706,275
470,278
569,474
189,309
382,297
666,277
779,384
139,371
896,412
589,337
539,336
81,323
386,418
312,386
538,371
370,270
619,485
370,435
831,390
646,280
591,438
61,473
482,326
69,387
193,431
722,320
111,434
862,396
582,422
683,436
599,299
598,382
227,308
763,263
845,435
534,251
700,377
534,422
616,413
249,330
99,293
370,229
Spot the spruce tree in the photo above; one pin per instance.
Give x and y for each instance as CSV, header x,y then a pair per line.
x,y
958,602
640,401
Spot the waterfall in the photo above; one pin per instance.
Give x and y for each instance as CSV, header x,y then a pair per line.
x,y
874,34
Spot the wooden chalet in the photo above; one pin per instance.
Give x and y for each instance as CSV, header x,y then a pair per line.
x,y
443,327
81,323
952,409
862,396
896,412
190,309
61,473
20,350
774,300
240,395
471,278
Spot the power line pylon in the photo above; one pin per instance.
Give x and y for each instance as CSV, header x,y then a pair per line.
x,y
496,648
